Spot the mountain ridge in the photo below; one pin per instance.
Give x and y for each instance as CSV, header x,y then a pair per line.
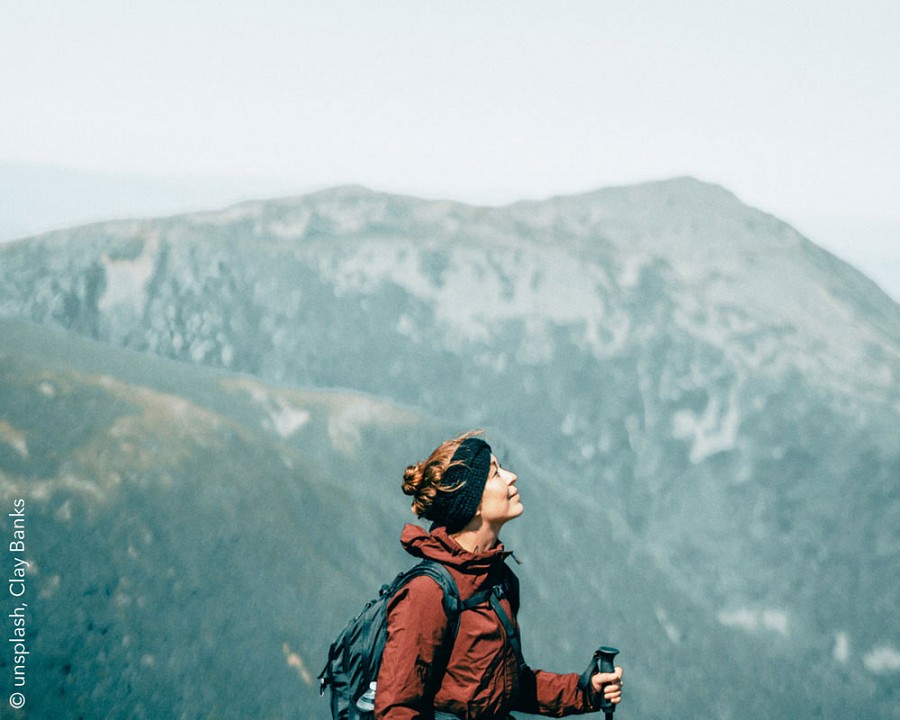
x,y
186,574
720,393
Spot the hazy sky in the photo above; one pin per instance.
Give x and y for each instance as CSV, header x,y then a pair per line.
x,y
793,105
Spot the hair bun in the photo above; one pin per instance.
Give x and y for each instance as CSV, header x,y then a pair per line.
x,y
423,480
420,481
412,478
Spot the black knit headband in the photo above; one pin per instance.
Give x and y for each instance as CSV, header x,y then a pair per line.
x,y
468,472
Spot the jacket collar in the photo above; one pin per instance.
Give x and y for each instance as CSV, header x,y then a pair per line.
x,y
438,545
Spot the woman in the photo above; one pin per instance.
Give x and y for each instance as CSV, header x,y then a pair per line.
x,y
468,497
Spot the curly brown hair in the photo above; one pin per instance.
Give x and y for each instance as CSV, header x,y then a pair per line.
x,y
423,480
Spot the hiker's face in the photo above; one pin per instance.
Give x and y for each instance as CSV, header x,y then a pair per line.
x,y
500,500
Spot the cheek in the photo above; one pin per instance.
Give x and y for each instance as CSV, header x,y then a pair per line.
x,y
496,489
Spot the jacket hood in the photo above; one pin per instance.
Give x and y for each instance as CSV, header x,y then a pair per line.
x,y
438,545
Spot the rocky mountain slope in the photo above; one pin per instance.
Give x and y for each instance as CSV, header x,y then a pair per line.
x,y
195,539
183,529
687,380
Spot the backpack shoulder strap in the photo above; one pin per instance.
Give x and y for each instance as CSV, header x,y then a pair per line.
x,y
441,575
507,587
454,605
511,633
511,587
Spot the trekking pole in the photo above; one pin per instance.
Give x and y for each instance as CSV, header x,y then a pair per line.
x,y
604,659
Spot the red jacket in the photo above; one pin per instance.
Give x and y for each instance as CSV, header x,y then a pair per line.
x,y
482,679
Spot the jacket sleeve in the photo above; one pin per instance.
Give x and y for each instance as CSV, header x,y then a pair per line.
x,y
546,693
416,623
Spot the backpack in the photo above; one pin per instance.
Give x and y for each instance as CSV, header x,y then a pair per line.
x,y
354,658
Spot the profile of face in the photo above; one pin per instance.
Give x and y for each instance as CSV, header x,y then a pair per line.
x,y
500,501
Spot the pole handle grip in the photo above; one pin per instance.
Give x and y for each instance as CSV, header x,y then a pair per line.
x,y
604,657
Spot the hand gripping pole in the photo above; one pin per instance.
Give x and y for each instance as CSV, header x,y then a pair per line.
x,y
603,658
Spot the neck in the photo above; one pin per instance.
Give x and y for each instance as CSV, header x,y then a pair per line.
x,y
477,539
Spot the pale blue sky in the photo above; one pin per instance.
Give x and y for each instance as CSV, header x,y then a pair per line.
x,y
794,106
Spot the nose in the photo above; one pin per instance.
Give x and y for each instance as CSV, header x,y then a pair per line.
x,y
510,477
